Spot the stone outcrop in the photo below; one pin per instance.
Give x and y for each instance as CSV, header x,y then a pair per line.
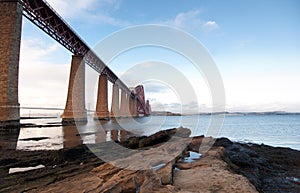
x,y
157,138
270,169
159,168
210,174
172,162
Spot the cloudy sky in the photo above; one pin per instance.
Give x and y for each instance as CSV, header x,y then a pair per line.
x,y
255,45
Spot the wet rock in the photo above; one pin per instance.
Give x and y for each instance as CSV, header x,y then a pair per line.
x,y
212,158
210,179
166,173
158,166
201,144
224,142
123,181
266,167
210,174
195,143
152,183
157,138
183,132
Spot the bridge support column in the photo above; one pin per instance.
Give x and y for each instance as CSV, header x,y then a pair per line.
x,y
115,110
133,106
102,106
128,114
124,105
10,38
75,106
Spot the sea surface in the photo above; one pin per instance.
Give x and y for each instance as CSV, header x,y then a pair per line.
x,y
274,130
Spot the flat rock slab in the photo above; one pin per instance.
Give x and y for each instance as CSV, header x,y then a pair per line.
x,y
208,174
210,179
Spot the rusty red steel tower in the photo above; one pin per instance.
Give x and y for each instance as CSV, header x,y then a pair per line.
x,y
143,107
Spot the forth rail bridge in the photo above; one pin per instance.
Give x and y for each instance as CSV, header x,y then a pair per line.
x,y
40,13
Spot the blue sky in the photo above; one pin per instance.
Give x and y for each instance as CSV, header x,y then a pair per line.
x,y
255,45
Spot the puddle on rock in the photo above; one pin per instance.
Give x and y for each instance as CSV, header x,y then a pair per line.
x,y
15,170
193,156
157,167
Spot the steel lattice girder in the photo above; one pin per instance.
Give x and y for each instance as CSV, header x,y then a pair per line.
x,y
45,17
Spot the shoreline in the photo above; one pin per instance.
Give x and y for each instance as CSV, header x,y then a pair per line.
x,y
265,167
227,113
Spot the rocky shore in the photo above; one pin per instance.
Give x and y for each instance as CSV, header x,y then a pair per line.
x,y
168,161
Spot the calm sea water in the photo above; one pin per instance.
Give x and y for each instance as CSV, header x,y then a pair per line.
x,y
274,130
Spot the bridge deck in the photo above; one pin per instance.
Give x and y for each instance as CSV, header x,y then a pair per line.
x,y
47,19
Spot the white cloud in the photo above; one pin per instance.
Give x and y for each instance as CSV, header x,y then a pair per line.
x,y
73,8
44,74
98,18
183,19
210,25
92,11
192,21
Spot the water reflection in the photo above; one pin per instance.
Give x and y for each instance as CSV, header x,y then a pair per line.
x,y
8,144
35,138
118,135
71,136
58,137
8,140
97,132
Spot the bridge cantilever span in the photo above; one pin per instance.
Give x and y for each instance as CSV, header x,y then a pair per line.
x,y
45,17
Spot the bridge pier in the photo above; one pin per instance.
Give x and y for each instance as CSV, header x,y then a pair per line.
x,y
10,38
133,106
115,110
75,106
128,106
124,104
102,106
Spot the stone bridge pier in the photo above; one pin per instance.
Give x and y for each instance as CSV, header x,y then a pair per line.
x,y
10,38
102,112
115,104
75,110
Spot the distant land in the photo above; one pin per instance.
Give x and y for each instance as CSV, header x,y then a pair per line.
x,y
168,113
164,113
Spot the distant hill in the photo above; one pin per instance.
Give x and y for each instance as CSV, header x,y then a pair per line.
x,y
164,113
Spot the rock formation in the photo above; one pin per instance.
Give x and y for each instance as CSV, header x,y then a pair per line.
x,y
168,161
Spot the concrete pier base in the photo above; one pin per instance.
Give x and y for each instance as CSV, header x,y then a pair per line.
x,y
102,105
75,111
10,38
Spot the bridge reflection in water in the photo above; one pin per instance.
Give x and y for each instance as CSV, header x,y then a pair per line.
x,y
52,137
55,138
72,137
